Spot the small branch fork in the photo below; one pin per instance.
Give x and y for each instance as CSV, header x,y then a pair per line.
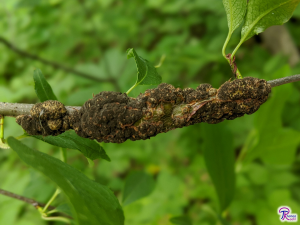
x,y
44,209
234,69
40,207
30,201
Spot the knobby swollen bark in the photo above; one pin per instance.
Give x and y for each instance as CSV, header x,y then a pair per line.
x,y
115,117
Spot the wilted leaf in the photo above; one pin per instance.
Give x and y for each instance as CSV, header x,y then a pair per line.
x,y
94,203
137,185
219,160
147,74
70,139
42,88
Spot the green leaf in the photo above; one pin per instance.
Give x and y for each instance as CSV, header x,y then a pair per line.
x,y
223,221
262,14
94,203
42,88
274,143
138,185
147,74
219,159
69,139
65,208
235,11
181,220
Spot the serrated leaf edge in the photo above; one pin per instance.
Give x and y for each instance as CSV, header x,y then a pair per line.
x,y
261,16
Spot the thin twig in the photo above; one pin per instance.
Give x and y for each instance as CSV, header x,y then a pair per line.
x,y
284,80
34,203
57,191
55,64
24,199
16,109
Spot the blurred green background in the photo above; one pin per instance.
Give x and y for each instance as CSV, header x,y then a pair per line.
x,y
92,36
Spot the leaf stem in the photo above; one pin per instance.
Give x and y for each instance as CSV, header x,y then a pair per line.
x,y
51,200
1,127
130,89
57,218
52,211
230,58
225,45
238,74
21,136
236,48
234,68
2,140
161,61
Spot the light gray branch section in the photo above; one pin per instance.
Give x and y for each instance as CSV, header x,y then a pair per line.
x,y
16,109
284,80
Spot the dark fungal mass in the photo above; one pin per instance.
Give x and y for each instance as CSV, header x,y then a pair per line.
x,y
115,117
46,118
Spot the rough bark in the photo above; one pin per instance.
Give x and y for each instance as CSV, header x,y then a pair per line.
x,y
115,117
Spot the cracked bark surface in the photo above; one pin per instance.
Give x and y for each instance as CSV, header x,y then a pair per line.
x,y
115,117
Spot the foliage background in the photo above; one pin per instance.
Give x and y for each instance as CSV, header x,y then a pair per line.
x,y
92,36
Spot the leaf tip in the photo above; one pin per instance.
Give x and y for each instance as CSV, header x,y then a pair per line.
x,y
9,139
130,53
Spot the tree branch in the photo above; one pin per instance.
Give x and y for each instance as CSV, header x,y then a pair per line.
x,y
284,80
16,109
24,199
32,202
57,65
114,117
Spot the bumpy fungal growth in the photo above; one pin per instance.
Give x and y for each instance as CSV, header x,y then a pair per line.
x,y
115,117
46,118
